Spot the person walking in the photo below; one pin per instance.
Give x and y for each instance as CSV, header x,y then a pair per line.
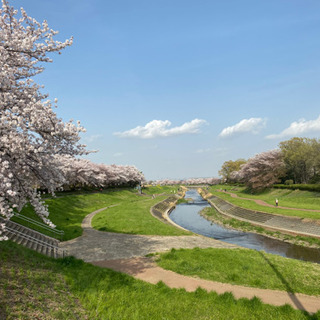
x,y
277,202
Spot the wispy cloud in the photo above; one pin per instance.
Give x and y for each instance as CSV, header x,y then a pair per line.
x,y
252,125
159,128
300,127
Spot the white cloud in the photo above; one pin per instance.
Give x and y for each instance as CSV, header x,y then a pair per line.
x,y
298,128
252,125
159,128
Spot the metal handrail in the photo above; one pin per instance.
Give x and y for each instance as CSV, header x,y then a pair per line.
x,y
29,237
35,240
41,225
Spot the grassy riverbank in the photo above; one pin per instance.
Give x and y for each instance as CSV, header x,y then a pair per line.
x,y
287,198
68,211
134,217
212,214
245,267
37,287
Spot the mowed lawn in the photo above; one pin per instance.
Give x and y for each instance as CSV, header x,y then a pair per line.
x,y
132,215
33,286
287,198
245,267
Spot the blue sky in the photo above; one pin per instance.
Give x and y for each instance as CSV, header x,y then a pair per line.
x,y
178,87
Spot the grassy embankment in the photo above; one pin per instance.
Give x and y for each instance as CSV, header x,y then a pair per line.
x,y
305,199
245,267
212,214
134,217
287,198
132,214
37,287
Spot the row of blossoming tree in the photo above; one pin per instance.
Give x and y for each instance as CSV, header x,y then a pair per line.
x,y
81,173
38,149
296,161
191,181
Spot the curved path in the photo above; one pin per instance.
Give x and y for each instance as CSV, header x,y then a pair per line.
x,y
96,245
125,253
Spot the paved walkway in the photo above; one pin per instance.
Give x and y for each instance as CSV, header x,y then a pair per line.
x,y
96,245
126,253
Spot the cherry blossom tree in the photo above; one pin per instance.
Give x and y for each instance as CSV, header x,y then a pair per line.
x,y
30,131
263,170
236,176
84,173
191,181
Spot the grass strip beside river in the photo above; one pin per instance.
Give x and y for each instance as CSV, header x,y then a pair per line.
x,y
134,217
287,198
210,213
245,267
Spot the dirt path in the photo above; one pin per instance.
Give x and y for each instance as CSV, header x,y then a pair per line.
x,y
263,203
145,269
126,253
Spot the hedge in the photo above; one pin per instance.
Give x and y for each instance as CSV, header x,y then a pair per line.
x,y
306,187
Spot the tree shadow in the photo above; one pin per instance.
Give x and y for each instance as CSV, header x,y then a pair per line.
x,y
131,266
289,289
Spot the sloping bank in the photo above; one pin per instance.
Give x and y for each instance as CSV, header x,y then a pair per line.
x,y
289,225
162,209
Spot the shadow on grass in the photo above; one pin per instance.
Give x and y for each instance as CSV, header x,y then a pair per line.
x,y
289,289
131,266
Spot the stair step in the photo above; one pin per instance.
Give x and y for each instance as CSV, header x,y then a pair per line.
x,y
19,240
31,239
12,236
34,246
29,244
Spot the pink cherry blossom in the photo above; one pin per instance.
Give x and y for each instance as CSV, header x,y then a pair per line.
x,y
31,134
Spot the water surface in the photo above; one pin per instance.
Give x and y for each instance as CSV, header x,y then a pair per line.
x,y
187,216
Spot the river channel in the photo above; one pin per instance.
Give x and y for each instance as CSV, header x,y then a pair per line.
x,y
187,216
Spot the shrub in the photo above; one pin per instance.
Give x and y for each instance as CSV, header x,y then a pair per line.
x,y
306,187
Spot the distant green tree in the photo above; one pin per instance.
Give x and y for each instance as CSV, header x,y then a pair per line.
x,y
315,178
230,166
302,159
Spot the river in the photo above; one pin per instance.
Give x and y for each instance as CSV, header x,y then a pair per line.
x,y
187,216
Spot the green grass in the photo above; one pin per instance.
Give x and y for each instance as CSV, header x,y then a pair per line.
x,y
33,287
150,190
67,212
134,218
212,214
182,200
287,198
245,267
36,287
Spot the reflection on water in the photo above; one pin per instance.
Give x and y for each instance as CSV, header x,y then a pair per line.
x,y
187,216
